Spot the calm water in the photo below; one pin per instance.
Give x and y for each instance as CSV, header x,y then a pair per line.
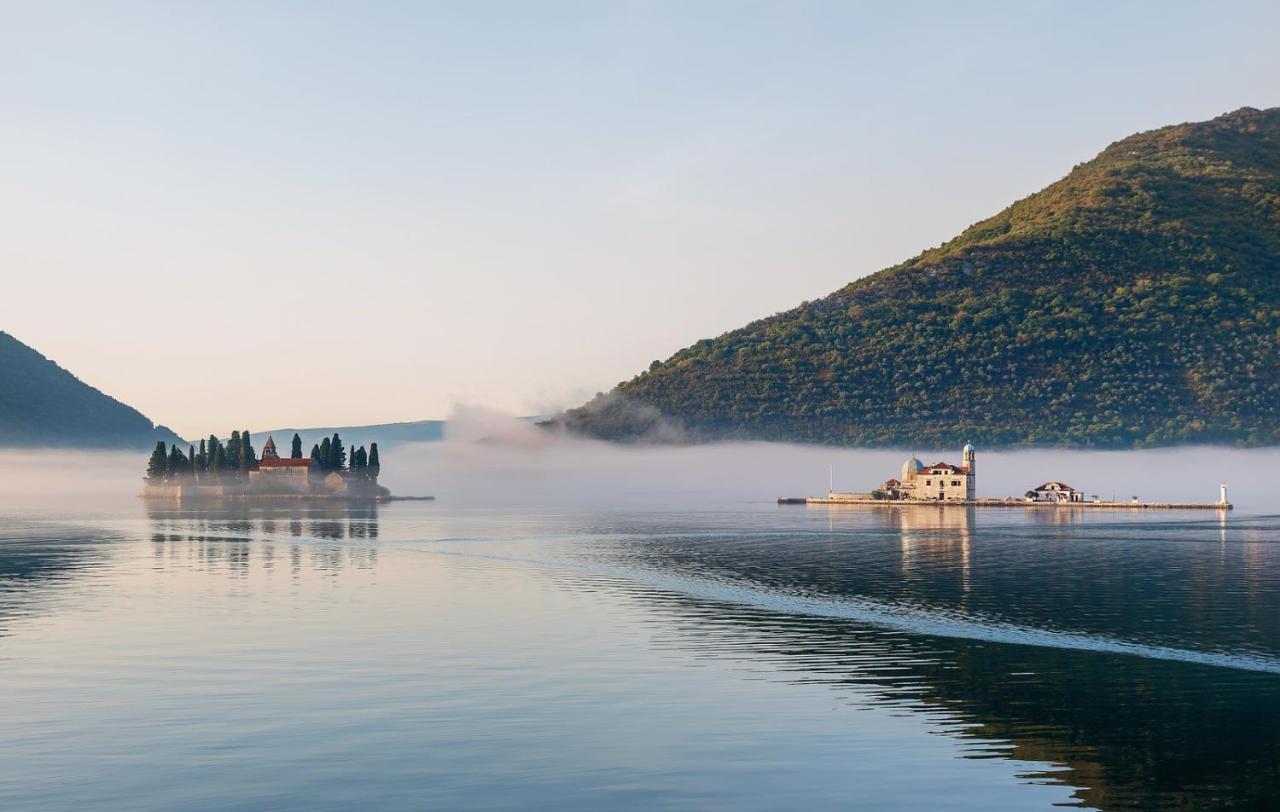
x,y
594,651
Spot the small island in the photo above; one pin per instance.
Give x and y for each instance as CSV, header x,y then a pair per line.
x,y
946,484
233,470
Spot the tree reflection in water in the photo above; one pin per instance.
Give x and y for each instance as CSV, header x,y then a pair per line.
x,y
231,534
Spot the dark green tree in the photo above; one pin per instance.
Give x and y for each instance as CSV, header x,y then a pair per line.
x,y
296,452
232,460
202,459
158,465
374,465
337,455
247,458
315,453
219,460
214,445
178,462
326,454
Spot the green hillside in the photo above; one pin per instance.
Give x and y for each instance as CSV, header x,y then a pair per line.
x,y
1135,302
43,405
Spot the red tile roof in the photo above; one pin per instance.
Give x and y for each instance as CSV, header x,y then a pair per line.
x,y
948,467
290,463
1053,485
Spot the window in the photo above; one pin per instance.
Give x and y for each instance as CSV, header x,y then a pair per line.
x,y
928,482
955,483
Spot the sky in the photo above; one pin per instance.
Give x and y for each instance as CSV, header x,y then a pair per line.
x,y
265,213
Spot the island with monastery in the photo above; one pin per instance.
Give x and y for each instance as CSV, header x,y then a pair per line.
x,y
944,483
233,470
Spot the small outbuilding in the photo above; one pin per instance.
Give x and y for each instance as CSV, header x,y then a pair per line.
x,y
1055,492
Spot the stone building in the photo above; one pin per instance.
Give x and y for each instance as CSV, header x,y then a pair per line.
x,y
940,482
1055,492
278,474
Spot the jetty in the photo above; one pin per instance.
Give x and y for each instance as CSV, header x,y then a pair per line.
x,y
1007,502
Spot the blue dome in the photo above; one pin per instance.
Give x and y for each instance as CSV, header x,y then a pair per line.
x,y
910,468
968,448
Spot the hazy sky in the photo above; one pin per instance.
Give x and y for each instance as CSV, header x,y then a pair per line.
x,y
256,214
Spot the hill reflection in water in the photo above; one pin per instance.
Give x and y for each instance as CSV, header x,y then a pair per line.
x,y
1127,732
403,642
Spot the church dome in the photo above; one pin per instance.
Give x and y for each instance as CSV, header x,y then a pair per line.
x,y
910,468
968,448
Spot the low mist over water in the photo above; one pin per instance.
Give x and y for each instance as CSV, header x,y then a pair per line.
x,y
486,456
489,458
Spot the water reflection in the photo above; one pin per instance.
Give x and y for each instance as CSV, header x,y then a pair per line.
x,y
1170,582
1127,732
934,538
36,559
238,535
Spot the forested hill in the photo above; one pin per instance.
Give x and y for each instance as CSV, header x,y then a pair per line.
x,y
43,405
1135,302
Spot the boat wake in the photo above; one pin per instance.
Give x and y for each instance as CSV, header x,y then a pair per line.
x,y
910,619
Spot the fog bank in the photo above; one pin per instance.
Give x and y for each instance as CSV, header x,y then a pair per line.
x,y
487,458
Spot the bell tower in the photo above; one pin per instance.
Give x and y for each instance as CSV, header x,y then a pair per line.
x,y
969,461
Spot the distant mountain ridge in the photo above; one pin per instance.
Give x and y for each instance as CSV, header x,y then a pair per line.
x,y
385,435
44,405
1135,302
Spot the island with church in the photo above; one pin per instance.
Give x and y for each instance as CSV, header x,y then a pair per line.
x,y
233,470
946,484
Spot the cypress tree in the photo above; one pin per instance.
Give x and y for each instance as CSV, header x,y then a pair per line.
x,y
178,462
191,460
232,460
374,465
326,454
202,461
158,465
338,457
296,452
213,449
219,460
315,453
246,451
